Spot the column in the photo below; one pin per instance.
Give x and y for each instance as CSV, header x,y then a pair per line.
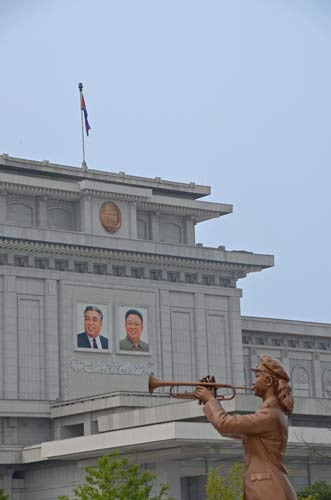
x,y
155,227
317,385
189,233
10,359
42,216
285,360
235,361
168,472
87,424
7,482
51,340
133,220
166,345
200,335
86,214
3,207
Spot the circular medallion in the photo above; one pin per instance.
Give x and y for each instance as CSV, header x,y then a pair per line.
x,y
110,217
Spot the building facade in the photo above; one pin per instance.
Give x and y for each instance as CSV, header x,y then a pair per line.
x,y
114,243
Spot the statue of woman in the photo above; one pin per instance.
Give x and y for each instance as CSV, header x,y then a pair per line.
x,y
264,433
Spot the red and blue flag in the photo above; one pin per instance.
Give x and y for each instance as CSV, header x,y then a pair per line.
x,y
83,105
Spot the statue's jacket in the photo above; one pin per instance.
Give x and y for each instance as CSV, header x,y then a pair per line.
x,y
264,436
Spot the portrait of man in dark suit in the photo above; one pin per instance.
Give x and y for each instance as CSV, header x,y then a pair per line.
x,y
90,338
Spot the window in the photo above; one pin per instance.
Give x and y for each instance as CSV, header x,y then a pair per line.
x,y
226,282
137,272
61,265
173,276
41,263
70,431
99,268
80,267
155,274
190,278
20,261
119,270
208,279
260,340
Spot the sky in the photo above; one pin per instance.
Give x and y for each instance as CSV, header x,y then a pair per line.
x,y
231,94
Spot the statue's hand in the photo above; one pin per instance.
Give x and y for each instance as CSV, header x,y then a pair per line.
x,y
205,393
210,378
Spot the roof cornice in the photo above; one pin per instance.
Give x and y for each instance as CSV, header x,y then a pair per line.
x,y
125,256
46,169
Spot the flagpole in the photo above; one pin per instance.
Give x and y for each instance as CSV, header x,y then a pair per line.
x,y
80,87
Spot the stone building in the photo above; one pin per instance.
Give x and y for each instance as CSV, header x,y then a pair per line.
x,y
71,239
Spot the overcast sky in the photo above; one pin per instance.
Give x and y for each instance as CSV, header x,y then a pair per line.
x,y
233,94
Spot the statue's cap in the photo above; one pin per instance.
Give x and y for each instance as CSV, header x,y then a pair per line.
x,y
271,366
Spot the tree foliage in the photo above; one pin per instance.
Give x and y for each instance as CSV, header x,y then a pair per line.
x,y
309,497
320,490
225,487
3,495
114,479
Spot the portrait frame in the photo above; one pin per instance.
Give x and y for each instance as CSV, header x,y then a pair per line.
x,y
121,331
79,308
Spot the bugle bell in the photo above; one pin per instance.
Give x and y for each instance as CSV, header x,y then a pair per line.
x,y
155,383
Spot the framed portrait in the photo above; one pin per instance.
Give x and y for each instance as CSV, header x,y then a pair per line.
x,y
91,333
133,330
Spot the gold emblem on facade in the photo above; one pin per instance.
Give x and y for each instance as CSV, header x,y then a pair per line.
x,y
110,217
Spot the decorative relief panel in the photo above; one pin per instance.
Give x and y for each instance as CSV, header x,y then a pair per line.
x,y
113,366
326,379
60,218
300,382
110,217
20,213
170,232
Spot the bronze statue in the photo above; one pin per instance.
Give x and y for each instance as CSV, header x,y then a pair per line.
x,y
264,433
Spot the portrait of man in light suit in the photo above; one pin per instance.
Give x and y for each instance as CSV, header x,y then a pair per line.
x,y
90,338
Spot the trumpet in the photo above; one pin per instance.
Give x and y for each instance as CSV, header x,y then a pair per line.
x,y
155,383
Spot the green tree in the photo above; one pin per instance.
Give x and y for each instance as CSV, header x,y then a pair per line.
x,y
116,480
3,495
320,490
227,487
309,497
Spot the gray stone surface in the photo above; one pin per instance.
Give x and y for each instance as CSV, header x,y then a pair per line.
x,y
57,402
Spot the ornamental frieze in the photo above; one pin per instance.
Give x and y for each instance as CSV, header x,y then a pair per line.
x,y
111,366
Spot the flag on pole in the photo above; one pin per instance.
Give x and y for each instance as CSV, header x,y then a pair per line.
x,y
84,110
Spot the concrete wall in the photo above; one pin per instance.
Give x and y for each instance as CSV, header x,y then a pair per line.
x,y
303,347
190,333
